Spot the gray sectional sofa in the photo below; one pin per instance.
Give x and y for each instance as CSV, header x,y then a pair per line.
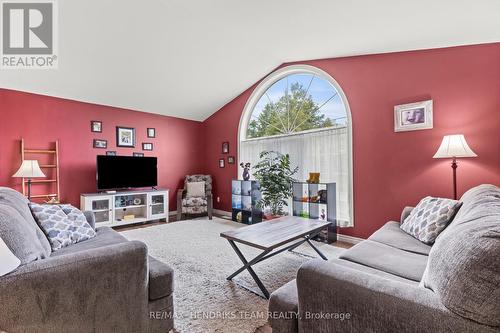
x,y
392,282
105,284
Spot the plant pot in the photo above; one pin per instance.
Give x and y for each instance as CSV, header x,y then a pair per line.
x,y
271,217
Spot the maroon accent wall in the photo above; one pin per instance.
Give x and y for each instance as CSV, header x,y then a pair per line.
x,y
392,170
41,119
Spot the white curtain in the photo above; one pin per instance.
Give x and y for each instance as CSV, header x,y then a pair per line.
x,y
324,151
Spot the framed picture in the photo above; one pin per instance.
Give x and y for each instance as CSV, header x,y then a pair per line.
x,y
138,154
147,146
111,153
413,116
222,163
125,137
151,133
102,144
230,160
96,126
225,147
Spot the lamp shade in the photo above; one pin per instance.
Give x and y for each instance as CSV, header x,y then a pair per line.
x,y
29,169
454,146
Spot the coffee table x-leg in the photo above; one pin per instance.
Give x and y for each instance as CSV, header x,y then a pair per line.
x,y
266,254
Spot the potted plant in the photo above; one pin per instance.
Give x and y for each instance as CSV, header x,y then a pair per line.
x,y
276,177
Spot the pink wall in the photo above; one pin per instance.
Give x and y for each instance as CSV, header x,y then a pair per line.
x,y
41,119
392,170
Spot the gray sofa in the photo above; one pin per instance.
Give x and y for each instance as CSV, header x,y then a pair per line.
x,y
392,282
105,284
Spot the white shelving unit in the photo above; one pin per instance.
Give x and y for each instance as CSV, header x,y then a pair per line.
x,y
126,207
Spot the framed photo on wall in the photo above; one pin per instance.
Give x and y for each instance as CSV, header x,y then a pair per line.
x,y
96,126
147,146
222,163
138,154
111,153
413,116
230,160
125,137
225,147
151,133
101,144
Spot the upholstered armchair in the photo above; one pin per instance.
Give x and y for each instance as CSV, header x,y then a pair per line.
x,y
195,198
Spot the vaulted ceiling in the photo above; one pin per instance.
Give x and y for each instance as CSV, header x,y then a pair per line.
x,y
188,58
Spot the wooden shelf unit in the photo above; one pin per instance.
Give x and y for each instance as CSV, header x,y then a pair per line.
x,y
53,165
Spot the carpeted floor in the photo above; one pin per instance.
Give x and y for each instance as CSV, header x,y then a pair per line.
x,y
204,300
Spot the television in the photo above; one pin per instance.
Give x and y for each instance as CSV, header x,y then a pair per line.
x,y
121,172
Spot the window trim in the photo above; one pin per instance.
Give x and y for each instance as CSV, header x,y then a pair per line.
x,y
279,74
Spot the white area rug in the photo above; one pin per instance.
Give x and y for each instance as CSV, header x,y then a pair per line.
x,y
204,301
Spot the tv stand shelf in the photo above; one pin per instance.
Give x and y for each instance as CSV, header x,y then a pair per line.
x,y
126,207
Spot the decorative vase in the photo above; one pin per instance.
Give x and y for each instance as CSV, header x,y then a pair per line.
x,y
246,170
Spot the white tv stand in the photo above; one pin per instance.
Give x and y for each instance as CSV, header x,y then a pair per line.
x,y
126,207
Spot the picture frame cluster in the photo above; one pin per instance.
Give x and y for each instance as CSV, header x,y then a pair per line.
x,y
230,159
125,138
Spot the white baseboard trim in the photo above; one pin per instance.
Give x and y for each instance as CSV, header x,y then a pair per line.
x,y
172,213
349,239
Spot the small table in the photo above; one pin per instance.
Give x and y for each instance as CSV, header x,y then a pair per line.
x,y
269,236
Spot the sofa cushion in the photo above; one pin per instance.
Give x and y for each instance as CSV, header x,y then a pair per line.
x,y
429,218
161,279
283,308
464,266
62,229
194,202
104,236
392,235
20,236
19,202
388,259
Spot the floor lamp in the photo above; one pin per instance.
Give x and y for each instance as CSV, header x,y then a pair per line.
x,y
29,169
454,146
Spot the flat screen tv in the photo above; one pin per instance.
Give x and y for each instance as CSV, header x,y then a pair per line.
x,y
121,172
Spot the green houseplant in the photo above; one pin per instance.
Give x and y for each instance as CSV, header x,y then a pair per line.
x,y
275,176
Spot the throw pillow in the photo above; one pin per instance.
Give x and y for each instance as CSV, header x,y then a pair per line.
x,y
62,229
195,189
429,218
8,261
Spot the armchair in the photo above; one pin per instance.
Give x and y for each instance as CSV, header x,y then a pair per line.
x,y
195,205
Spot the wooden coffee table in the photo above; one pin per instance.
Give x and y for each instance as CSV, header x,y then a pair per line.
x,y
273,237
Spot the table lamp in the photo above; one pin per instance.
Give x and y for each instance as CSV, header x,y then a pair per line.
x,y
29,169
454,146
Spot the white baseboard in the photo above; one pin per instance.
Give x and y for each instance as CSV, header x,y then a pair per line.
x,y
349,239
172,213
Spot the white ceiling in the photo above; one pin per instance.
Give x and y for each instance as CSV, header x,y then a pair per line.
x,y
188,58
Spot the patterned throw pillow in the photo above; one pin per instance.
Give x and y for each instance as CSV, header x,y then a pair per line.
x,y
429,218
64,225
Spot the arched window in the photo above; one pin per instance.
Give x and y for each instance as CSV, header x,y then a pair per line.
x,y
302,111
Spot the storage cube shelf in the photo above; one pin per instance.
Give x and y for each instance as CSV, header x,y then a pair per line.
x,y
245,196
317,201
